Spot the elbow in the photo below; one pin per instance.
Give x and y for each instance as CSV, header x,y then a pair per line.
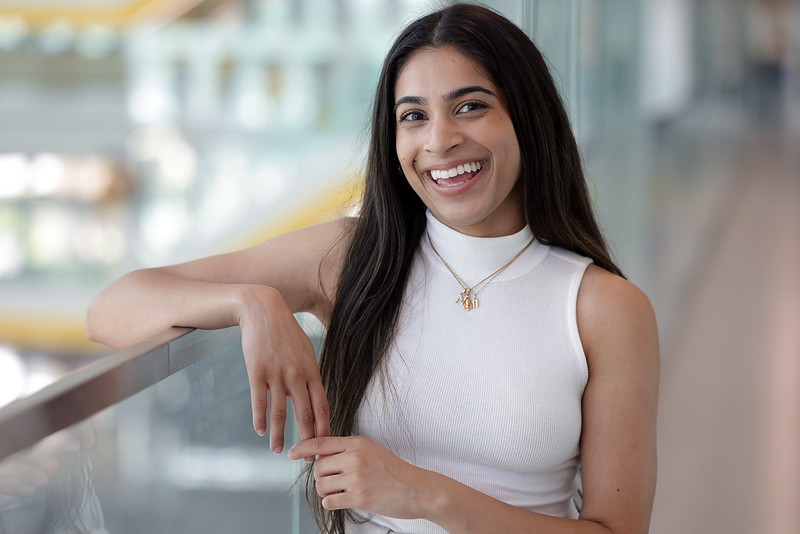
x,y
610,527
92,325
101,322
98,329
114,318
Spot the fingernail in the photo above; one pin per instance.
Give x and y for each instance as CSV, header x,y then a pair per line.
x,y
277,449
261,431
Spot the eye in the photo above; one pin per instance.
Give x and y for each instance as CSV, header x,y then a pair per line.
x,y
467,107
411,116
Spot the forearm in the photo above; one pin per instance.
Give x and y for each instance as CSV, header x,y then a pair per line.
x,y
145,302
460,509
356,472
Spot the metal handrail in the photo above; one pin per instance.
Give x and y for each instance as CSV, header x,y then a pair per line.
x,y
90,389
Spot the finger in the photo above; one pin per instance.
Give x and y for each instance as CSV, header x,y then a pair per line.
x,y
28,473
327,466
336,501
17,488
277,418
325,446
47,458
329,485
58,442
87,435
303,413
322,411
258,400
48,464
20,478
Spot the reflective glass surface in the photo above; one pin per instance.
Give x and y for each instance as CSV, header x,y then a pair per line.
x,y
180,456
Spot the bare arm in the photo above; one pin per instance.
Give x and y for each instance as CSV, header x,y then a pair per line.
x,y
618,444
210,293
618,441
258,289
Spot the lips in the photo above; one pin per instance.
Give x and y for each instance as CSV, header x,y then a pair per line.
x,y
466,168
456,175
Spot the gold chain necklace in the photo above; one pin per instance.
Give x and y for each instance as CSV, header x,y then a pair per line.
x,y
468,296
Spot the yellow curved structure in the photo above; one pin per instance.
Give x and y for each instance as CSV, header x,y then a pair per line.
x,y
118,13
63,333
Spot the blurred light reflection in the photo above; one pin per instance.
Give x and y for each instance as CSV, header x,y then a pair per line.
x,y
12,255
13,31
14,172
47,175
12,375
51,236
151,102
96,42
163,224
57,38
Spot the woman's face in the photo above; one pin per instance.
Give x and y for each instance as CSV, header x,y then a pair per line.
x,y
456,143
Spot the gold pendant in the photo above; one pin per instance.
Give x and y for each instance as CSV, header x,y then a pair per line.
x,y
467,301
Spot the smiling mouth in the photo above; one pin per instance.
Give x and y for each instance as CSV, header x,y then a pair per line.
x,y
457,175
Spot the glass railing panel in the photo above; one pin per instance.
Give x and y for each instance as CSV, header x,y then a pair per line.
x,y
178,456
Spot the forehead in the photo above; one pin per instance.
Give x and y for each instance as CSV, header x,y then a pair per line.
x,y
432,71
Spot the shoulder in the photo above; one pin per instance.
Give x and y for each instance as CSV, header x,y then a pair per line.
x,y
603,293
614,318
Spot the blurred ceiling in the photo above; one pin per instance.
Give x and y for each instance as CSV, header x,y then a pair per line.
x,y
117,13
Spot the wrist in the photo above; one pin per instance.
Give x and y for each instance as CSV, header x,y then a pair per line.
x,y
433,497
250,300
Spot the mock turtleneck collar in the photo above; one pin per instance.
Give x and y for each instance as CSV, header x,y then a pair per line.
x,y
473,258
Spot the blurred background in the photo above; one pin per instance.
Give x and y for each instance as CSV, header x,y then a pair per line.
x,y
136,133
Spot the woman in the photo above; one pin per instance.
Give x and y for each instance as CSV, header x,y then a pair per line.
x,y
481,346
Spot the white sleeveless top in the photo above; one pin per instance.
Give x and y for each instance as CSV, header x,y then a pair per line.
x,y
492,396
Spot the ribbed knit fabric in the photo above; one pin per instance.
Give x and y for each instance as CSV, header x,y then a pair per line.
x,y
492,396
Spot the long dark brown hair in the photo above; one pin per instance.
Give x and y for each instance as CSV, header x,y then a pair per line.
x,y
386,234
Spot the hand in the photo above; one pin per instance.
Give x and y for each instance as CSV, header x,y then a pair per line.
x,y
356,472
280,360
22,474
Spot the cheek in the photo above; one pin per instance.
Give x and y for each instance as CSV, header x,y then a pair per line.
x,y
401,147
513,156
406,157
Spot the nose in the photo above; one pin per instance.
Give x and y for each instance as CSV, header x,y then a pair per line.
x,y
443,134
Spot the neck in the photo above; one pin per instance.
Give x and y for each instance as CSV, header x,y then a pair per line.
x,y
473,258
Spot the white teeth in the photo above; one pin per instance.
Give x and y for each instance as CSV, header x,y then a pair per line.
x,y
474,166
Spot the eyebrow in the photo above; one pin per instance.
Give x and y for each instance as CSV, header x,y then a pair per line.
x,y
449,97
